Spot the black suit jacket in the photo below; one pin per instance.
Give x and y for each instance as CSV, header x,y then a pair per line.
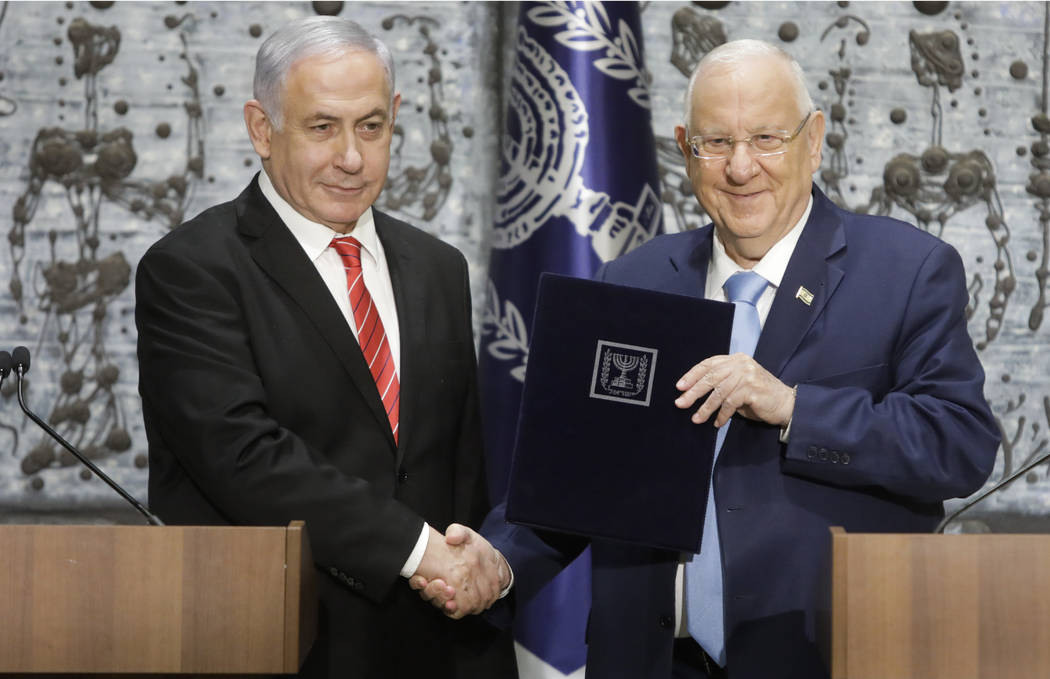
x,y
260,409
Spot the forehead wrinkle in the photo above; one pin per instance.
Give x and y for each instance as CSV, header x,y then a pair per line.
x,y
326,86
727,81
739,97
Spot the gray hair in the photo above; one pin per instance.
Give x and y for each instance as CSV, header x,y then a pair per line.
x,y
307,38
736,51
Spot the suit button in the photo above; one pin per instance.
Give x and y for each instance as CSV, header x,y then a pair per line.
x,y
823,454
835,457
666,621
845,458
812,452
402,476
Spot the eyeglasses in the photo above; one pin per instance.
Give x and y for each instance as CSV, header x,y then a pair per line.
x,y
719,146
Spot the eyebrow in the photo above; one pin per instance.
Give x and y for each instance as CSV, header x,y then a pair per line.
x,y
328,117
322,116
749,130
377,111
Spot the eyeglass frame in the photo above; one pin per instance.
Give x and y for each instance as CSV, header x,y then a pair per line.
x,y
694,147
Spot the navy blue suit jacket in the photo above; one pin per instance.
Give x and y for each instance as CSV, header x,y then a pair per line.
x,y
889,421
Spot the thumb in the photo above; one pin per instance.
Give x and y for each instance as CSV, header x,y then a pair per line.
x,y
457,534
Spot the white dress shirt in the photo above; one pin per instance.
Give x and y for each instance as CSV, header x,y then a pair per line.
x,y
772,267
315,239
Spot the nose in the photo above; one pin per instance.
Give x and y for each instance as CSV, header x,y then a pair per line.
x,y
348,156
741,165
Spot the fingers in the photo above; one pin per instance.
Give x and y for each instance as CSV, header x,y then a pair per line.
x,y
436,591
480,586
715,377
733,385
461,573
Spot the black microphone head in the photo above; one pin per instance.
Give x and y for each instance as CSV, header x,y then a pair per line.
x,y
20,358
5,364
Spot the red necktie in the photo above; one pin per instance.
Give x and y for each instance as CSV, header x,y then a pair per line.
x,y
370,332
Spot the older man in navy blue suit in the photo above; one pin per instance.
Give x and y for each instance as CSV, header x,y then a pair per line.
x,y
861,404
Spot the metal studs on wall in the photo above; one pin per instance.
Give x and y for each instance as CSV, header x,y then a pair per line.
x,y
118,120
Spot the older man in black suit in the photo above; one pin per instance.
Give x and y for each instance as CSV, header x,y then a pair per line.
x,y
304,356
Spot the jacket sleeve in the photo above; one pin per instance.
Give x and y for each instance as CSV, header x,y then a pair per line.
x,y
535,557
931,436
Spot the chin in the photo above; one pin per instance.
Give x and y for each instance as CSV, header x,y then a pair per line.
x,y
347,217
749,228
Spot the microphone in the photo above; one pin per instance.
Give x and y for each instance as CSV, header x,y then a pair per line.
x,y
1002,484
20,360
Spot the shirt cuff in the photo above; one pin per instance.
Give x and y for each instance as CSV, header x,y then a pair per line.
x,y
785,431
510,585
414,559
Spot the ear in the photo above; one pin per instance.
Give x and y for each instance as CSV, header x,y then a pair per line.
x,y
394,109
683,146
816,139
259,127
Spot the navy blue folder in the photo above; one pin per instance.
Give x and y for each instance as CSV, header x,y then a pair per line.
x,y
601,448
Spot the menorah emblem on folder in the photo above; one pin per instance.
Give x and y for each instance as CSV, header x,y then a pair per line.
x,y
624,363
623,372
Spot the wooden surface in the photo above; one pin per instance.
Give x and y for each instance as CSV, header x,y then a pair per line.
x,y
940,606
150,600
300,598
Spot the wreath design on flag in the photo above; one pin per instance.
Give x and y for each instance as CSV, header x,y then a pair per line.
x,y
587,29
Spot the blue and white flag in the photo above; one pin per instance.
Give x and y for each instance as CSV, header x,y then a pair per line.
x,y
578,187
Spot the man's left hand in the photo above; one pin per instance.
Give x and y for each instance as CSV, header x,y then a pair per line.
x,y
736,384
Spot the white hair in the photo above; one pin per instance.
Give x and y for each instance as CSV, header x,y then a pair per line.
x,y
736,51
309,37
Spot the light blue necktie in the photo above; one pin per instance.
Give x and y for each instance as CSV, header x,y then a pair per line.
x,y
703,575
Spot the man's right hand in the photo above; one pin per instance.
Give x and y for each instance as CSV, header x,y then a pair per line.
x,y
461,572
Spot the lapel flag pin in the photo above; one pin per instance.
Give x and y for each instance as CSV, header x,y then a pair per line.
x,y
805,295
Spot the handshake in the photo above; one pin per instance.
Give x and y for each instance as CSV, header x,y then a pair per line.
x,y
461,572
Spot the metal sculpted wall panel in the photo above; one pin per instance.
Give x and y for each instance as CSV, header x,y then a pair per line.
x,y
118,120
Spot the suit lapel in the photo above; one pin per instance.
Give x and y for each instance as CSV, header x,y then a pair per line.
x,y
813,267
409,295
688,272
277,253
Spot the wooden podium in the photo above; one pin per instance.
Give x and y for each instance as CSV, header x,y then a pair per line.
x,y
155,600
940,606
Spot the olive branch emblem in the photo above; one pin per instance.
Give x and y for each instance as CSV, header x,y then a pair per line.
x,y
512,335
588,28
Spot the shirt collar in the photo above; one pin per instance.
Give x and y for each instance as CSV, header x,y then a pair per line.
x,y
312,236
773,264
